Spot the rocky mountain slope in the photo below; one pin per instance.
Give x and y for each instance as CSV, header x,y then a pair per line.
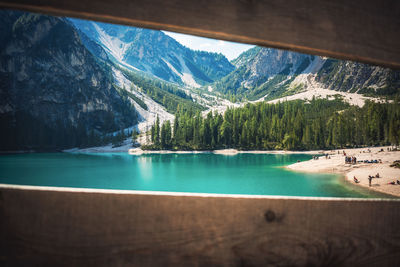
x,y
54,93
272,73
65,82
347,76
156,53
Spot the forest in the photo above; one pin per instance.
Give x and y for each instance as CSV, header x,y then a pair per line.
x,y
22,131
294,125
163,93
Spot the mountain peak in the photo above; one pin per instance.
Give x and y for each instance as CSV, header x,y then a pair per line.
x,y
156,53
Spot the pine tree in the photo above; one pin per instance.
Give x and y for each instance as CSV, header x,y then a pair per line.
x,y
291,125
157,132
135,135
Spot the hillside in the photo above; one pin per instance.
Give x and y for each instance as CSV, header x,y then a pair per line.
x,y
347,76
155,53
271,73
54,93
75,83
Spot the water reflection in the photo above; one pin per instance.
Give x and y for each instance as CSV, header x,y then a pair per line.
x,y
260,174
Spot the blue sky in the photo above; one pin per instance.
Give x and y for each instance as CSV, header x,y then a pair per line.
x,y
229,49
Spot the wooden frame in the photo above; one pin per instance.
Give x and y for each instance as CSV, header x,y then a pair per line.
x,y
60,226
361,30
85,227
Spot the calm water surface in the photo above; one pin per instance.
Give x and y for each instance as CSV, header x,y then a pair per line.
x,y
201,173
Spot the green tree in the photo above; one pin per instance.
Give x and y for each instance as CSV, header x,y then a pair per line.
x,y
135,135
157,132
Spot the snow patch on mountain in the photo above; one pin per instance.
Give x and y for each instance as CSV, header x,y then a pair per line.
x,y
214,103
120,79
146,117
172,67
114,45
315,65
187,76
312,88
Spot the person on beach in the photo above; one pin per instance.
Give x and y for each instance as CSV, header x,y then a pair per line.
x,y
356,180
392,183
369,179
398,182
377,175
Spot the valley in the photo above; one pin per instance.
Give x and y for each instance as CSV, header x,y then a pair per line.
x,y
96,83
82,87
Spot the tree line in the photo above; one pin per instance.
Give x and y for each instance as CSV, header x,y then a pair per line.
x,y
166,94
294,125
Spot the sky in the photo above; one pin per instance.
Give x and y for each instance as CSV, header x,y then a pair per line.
x,y
230,50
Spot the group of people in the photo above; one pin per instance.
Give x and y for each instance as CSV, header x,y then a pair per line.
x,y
369,178
350,160
353,160
376,176
373,161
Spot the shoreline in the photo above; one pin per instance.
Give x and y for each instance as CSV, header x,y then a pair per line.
x,y
336,164
226,152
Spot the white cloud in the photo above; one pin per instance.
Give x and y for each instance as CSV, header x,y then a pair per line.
x,y
221,43
229,49
206,45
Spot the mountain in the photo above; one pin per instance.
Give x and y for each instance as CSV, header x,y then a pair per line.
x,y
260,69
156,53
245,57
273,73
348,76
54,92
66,82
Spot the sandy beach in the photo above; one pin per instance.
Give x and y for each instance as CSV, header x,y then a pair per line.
x,y
336,164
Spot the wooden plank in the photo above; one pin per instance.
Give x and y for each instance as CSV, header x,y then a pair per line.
x,y
361,30
52,228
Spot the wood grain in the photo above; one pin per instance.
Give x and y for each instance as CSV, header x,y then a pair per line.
x,y
44,227
361,30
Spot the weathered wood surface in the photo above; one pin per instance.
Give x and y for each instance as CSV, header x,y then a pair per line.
x,y
44,227
361,30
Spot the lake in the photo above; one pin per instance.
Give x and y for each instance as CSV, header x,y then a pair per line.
x,y
253,174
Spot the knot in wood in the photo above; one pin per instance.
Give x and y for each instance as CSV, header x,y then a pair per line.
x,y
269,216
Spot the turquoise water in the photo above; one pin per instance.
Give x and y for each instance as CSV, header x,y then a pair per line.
x,y
201,173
